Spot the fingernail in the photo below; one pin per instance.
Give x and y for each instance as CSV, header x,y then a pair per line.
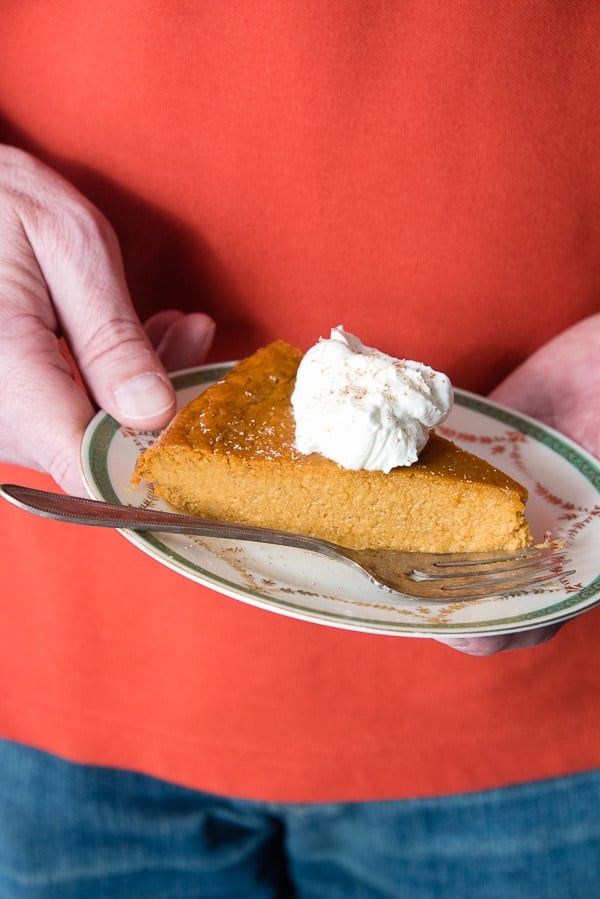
x,y
144,396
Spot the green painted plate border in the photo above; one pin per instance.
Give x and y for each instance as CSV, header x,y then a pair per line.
x,y
103,429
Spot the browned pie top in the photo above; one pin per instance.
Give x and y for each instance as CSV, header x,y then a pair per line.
x,y
248,413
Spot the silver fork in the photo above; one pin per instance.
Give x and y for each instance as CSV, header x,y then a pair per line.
x,y
451,577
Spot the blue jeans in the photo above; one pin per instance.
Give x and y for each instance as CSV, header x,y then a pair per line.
x,y
76,832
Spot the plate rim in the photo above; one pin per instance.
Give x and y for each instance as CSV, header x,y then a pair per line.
x,y
101,431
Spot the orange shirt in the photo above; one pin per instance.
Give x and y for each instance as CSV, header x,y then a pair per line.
x,y
429,176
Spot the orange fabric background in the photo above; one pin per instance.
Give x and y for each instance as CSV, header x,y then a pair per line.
x,y
426,175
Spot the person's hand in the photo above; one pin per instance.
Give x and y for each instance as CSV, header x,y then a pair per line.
x,y
560,386
61,276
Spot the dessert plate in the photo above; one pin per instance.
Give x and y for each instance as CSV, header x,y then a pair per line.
x,y
564,500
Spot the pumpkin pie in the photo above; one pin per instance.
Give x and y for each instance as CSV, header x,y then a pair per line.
x,y
230,454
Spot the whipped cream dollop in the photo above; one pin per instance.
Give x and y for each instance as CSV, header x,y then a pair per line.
x,y
364,409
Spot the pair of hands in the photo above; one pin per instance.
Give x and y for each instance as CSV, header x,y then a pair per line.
x,y
61,273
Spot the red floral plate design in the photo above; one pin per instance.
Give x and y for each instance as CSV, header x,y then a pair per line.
x,y
564,499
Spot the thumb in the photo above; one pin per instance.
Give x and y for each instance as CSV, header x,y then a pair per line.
x,y
560,384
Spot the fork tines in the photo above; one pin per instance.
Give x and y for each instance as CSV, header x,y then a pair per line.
x,y
494,573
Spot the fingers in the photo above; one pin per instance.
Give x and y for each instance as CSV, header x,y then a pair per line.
x,y
487,646
181,341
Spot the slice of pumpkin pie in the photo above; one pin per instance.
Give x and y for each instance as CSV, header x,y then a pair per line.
x,y
246,450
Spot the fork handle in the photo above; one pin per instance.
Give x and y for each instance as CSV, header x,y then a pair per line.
x,y
79,510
